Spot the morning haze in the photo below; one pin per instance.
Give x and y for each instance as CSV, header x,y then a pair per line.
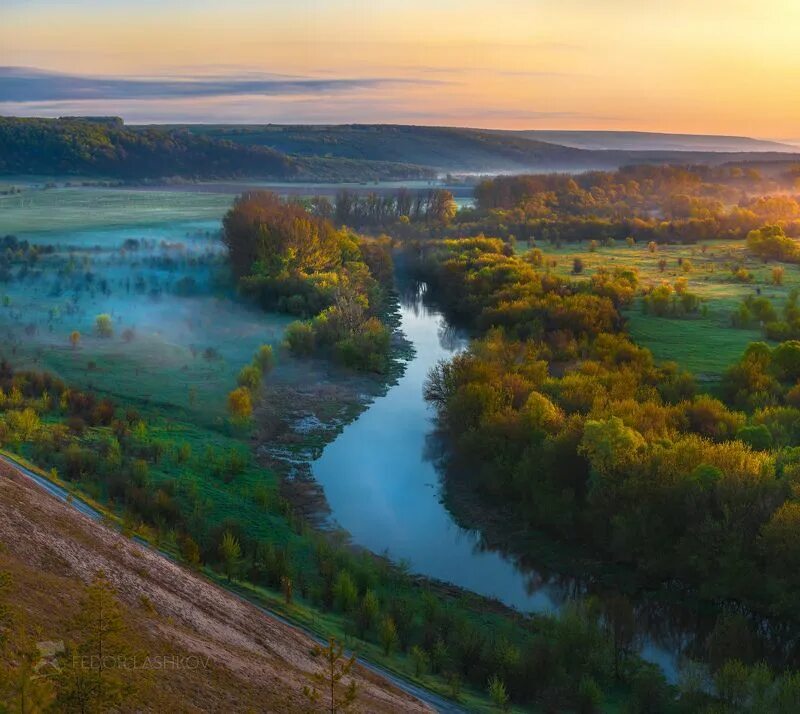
x,y
399,357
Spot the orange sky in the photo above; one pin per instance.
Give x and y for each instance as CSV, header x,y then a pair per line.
x,y
707,66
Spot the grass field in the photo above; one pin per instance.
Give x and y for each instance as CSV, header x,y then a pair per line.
x,y
72,209
705,343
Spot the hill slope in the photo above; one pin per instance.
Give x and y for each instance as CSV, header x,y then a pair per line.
x,y
105,147
255,663
489,151
651,141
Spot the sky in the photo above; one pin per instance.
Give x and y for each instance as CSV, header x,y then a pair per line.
x,y
710,66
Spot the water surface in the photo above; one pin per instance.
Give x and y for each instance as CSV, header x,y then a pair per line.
x,y
381,481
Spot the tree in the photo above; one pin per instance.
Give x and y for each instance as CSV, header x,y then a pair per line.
x,y
190,551
328,683
231,552
621,623
74,339
421,660
104,325
731,683
95,675
496,689
250,377
345,592
388,635
609,444
442,206
367,613
287,587
265,358
240,404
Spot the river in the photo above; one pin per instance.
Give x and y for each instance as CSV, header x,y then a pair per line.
x,y
383,486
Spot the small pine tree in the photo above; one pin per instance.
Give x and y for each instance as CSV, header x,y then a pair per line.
x,y
328,683
94,674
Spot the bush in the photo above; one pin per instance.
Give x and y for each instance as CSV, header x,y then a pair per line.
x,y
300,339
265,358
103,325
250,377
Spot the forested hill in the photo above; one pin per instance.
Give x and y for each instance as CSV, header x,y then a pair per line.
x,y
105,147
442,148
482,151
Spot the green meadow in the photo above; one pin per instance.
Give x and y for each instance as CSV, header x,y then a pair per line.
x,y
705,343
36,209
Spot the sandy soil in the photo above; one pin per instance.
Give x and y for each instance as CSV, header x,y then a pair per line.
x,y
256,664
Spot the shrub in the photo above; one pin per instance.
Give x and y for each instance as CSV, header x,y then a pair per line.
x,y
300,339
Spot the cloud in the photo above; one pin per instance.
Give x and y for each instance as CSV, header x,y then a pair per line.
x,y
23,84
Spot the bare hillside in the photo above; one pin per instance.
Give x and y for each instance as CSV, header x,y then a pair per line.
x,y
255,663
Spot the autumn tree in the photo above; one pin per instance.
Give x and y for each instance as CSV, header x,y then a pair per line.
x,y
265,358
240,404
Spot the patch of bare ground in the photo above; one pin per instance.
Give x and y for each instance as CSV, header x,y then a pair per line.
x,y
304,406
255,663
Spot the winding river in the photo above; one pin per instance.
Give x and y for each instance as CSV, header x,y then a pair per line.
x,y
382,484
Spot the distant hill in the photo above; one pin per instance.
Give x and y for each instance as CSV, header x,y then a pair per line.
x,y
489,151
652,141
104,146
443,148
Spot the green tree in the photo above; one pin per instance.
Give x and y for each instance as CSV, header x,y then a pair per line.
x,y
345,592
498,693
620,622
367,614
609,444
249,377
231,552
104,325
388,635
421,660
327,685
96,675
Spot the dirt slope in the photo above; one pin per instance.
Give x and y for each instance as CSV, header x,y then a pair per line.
x,y
256,664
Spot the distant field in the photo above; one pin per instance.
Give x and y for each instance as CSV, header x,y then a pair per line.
x,y
63,209
705,343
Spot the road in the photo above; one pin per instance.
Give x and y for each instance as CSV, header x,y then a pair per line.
x,y
440,704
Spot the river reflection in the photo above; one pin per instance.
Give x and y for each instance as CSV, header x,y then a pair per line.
x,y
381,480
